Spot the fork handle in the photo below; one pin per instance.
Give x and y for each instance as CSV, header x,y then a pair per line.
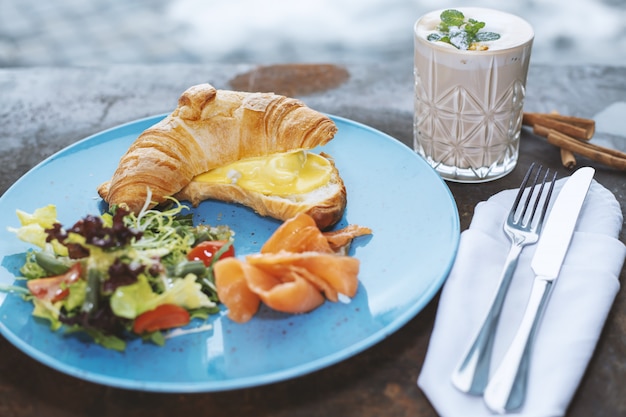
x,y
506,390
472,373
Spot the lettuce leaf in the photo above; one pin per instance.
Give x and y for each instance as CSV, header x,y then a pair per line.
x,y
129,301
34,225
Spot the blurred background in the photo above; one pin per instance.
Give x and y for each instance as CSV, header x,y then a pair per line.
x,y
96,32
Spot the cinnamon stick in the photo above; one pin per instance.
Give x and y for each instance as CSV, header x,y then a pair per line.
x,y
607,156
572,126
541,130
571,135
568,159
573,120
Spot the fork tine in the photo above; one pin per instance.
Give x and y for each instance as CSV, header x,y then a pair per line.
x,y
539,223
520,193
539,194
531,191
545,203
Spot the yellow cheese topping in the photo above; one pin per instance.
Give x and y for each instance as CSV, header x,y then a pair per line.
x,y
296,172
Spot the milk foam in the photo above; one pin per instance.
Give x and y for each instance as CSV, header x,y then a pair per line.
x,y
513,30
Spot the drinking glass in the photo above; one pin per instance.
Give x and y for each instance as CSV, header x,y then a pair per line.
x,y
469,103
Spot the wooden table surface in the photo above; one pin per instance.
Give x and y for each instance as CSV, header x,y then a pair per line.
x,y
43,110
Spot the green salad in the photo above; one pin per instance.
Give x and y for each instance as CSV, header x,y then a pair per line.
x,y
119,276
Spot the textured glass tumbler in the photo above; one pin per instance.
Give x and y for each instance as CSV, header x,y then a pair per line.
x,y
469,103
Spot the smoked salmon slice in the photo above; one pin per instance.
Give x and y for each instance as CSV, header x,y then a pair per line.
x,y
340,239
340,272
289,293
233,291
298,234
297,269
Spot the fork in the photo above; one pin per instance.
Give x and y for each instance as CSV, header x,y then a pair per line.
x,y
522,226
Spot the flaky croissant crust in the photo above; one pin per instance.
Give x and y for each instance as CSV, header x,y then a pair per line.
x,y
211,128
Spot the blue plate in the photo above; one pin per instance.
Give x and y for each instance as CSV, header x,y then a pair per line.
x,y
393,191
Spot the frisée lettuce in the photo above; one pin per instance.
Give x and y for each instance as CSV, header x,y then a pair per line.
x,y
118,275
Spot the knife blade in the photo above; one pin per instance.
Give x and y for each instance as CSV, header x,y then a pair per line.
x,y
557,232
506,390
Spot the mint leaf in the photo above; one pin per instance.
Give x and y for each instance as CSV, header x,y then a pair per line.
x,y
473,26
486,36
460,33
434,37
452,18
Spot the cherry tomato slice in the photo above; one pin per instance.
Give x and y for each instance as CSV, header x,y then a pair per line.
x,y
205,251
165,316
54,288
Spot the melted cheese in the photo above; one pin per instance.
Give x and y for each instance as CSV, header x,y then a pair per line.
x,y
288,173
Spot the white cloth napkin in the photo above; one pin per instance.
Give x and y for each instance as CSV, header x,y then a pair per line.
x,y
581,299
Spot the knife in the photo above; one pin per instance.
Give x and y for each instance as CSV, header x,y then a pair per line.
x,y
506,390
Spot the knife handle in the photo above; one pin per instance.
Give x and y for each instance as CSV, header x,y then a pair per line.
x,y
506,391
472,373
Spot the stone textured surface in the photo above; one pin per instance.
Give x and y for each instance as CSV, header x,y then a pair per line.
x,y
43,110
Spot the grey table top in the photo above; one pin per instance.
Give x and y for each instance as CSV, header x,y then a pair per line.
x,y
43,110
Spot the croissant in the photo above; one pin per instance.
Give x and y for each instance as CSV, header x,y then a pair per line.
x,y
211,128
